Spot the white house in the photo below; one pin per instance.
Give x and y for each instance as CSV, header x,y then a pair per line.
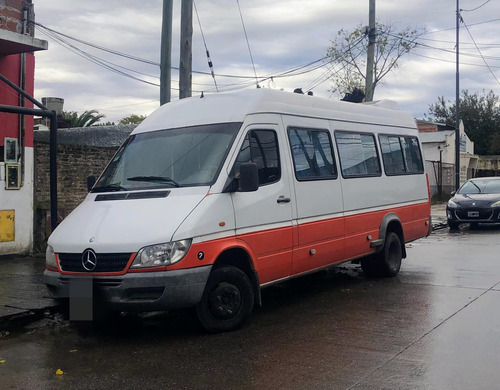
x,y
438,145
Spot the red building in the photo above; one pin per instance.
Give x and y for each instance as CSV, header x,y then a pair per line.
x,y
17,64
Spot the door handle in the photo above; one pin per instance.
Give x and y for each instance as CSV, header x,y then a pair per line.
x,y
282,199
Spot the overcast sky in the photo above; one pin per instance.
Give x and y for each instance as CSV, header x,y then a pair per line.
x,y
283,35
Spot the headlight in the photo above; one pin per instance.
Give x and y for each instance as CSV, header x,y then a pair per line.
x,y
452,205
496,204
50,257
161,254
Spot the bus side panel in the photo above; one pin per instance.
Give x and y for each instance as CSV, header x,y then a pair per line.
x,y
360,229
320,243
415,220
273,252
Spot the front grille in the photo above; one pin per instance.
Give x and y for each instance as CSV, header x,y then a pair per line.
x,y
106,262
484,214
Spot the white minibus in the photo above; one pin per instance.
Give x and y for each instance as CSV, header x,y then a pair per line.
x,y
211,199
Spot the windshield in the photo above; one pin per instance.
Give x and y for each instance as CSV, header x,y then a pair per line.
x,y
491,186
188,156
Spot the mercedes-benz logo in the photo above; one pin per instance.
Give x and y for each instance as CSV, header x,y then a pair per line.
x,y
89,260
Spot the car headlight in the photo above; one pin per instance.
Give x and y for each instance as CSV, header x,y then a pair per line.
x,y
161,254
452,205
50,257
496,204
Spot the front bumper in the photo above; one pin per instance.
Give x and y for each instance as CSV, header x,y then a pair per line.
x,y
145,291
471,215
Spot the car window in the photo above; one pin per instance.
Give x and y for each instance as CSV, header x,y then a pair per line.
x,y
492,187
481,187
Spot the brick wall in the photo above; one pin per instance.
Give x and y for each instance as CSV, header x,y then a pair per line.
x,y
11,15
74,164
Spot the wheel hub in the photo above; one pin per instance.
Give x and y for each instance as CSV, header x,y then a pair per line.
x,y
224,300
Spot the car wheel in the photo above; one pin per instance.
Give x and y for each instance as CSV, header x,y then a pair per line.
x,y
453,225
388,261
227,301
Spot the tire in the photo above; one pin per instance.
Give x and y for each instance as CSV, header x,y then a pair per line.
x,y
386,263
227,301
452,225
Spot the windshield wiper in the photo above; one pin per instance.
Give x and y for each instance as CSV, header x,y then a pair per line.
x,y
109,188
157,179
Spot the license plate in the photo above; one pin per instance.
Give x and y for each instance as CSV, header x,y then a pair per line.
x,y
473,214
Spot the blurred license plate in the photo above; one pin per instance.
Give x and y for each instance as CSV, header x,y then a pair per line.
x,y
473,214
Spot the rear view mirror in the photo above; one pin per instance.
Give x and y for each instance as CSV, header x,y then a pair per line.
x,y
90,182
249,177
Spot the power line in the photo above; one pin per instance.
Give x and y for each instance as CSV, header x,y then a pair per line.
x,y
482,5
481,54
210,64
248,43
92,58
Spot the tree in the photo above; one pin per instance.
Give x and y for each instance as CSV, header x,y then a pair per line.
x,y
481,117
348,52
88,118
133,119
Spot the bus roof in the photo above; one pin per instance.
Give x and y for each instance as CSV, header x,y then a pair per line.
x,y
235,106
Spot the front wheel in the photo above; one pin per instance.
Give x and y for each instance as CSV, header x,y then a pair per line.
x,y
452,224
227,301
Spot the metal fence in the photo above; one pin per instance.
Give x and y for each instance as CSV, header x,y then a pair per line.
x,y
441,179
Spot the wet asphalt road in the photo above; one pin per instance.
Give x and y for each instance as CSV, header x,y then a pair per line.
x,y
435,326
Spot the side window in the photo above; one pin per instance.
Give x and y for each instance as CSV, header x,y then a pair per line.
x,y
392,155
401,155
312,153
358,154
413,158
261,147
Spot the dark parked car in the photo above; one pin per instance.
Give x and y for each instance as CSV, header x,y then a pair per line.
x,y
477,201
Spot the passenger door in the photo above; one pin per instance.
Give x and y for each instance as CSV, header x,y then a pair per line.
x,y
264,217
319,204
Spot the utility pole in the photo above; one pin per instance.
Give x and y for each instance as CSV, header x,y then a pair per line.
x,y
457,106
186,56
166,52
370,58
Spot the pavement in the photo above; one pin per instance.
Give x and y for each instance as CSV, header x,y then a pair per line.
x,y
24,297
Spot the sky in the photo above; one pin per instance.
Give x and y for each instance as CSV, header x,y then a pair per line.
x,y
282,35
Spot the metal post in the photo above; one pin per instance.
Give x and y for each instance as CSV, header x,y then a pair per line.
x,y
53,171
186,57
457,106
370,58
52,143
166,52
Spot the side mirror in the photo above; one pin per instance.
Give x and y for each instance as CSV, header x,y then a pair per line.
x,y
249,177
453,193
90,182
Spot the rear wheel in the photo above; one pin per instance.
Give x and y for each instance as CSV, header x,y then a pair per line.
x,y
388,261
227,301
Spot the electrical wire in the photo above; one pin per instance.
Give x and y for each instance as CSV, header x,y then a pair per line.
x,y
248,43
479,51
93,59
210,64
482,5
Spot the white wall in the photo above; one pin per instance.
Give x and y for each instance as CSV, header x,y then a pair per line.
x,y
21,201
